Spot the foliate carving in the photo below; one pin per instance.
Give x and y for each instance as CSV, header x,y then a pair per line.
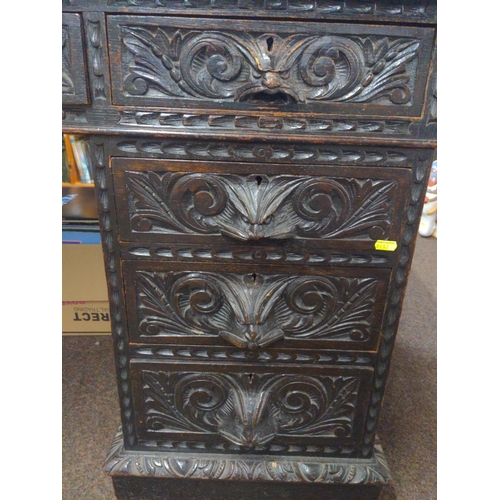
x,y
260,255
336,449
432,112
260,206
249,410
211,354
330,471
254,310
368,9
111,260
96,56
68,86
397,285
74,115
239,123
74,88
263,153
237,66
158,121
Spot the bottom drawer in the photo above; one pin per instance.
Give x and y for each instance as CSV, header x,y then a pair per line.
x,y
258,409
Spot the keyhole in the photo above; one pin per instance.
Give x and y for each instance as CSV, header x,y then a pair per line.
x,y
259,180
250,376
254,277
270,43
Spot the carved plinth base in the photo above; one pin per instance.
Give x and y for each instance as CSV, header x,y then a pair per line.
x,y
144,475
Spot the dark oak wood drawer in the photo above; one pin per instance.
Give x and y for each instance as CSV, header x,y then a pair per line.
x,y
201,202
74,80
252,306
304,68
262,409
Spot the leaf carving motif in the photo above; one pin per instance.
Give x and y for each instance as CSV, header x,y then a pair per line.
x,y
259,206
253,311
237,66
373,470
68,86
249,410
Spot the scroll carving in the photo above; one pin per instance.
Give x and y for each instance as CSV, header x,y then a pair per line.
x,y
249,410
254,310
260,206
254,67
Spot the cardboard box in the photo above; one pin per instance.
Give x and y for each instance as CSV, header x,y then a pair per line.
x,y
85,317
85,306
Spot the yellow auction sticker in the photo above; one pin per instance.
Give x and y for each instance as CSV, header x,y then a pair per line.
x,y
387,246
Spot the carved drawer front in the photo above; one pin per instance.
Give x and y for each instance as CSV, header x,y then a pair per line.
x,y
74,82
258,409
254,306
197,202
330,68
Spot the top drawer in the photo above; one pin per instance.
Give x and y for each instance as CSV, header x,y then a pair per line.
x,y
216,202
305,68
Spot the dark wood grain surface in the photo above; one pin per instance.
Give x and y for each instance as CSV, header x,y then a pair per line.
x,y
244,174
395,11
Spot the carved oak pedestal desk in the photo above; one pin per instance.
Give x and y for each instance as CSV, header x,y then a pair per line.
x,y
260,168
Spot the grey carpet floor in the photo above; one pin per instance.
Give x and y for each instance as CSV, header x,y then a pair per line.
x,y
407,430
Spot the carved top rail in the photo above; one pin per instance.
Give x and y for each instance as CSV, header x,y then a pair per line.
x,y
397,11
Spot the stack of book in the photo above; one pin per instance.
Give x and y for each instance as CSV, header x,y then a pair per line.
x,y
66,177
76,160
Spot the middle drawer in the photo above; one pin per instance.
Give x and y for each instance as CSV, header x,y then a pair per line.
x,y
252,306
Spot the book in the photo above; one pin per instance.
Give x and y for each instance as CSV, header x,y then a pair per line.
x,y
65,166
74,177
86,154
81,155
